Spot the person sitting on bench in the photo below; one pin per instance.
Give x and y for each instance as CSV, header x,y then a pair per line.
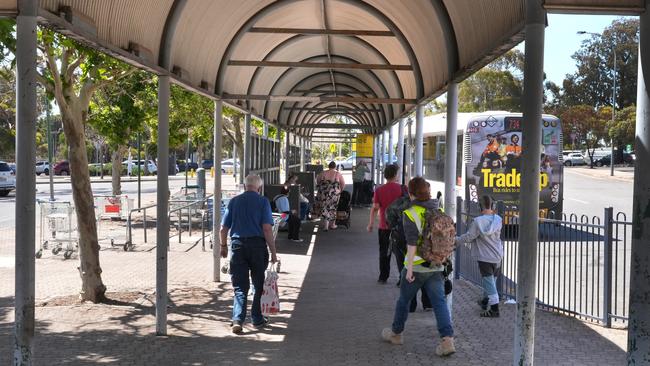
x,y
293,221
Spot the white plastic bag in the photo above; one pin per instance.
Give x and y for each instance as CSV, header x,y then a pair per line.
x,y
270,297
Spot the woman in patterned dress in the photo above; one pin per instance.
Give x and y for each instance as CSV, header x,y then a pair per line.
x,y
330,183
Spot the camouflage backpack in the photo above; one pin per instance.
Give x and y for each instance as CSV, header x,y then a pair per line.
x,y
439,234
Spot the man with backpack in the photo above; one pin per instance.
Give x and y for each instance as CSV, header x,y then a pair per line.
x,y
484,238
430,240
384,196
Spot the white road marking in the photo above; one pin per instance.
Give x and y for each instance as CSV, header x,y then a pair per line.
x,y
7,262
579,201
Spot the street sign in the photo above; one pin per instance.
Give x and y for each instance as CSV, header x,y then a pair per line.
x,y
364,145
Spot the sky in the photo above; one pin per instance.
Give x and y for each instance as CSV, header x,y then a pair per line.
x,y
561,41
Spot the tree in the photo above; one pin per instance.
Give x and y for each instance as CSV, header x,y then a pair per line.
x,y
585,126
592,83
71,74
117,112
622,130
498,86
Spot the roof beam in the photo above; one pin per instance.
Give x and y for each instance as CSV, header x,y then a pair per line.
x,y
320,65
332,110
334,126
316,99
329,32
324,90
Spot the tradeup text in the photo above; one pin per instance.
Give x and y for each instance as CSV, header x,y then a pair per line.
x,y
508,180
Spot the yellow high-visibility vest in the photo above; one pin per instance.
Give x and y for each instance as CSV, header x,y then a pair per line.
x,y
416,214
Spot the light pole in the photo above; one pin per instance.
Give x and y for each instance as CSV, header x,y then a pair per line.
x,y
611,140
49,145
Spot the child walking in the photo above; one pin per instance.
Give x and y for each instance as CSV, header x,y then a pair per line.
x,y
484,238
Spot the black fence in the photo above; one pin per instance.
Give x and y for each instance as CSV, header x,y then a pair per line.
x,y
582,263
265,158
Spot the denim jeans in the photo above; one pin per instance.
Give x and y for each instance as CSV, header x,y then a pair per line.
x,y
250,257
433,284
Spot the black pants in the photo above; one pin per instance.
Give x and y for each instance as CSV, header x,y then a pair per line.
x,y
293,226
384,254
400,256
358,195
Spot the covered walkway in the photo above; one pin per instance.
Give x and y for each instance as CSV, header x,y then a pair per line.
x,y
332,313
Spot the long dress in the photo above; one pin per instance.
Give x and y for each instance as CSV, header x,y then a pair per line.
x,y
327,199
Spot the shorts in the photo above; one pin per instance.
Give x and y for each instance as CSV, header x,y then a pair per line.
x,y
489,269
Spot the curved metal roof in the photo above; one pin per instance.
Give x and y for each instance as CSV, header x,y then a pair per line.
x,y
295,62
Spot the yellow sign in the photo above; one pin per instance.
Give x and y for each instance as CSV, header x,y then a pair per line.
x,y
364,146
354,146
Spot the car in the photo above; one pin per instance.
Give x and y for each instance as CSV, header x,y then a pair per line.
x,y
151,166
606,160
346,164
13,167
207,164
42,167
228,166
574,159
7,179
61,168
190,166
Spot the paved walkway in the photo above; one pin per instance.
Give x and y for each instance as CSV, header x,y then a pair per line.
x,y
332,313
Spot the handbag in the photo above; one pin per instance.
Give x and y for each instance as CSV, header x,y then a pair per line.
x,y
270,301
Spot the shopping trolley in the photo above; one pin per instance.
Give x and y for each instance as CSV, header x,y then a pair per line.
x,y
58,228
112,208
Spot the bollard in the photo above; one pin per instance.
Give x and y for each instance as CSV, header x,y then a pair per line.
x,y
212,172
192,173
200,181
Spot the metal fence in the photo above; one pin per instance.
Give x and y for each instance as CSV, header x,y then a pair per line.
x,y
582,263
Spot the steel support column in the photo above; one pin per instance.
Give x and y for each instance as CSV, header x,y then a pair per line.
x,y
216,213
524,347
408,156
287,152
375,153
162,220
246,159
639,323
382,151
451,152
302,154
26,108
400,150
419,140
391,147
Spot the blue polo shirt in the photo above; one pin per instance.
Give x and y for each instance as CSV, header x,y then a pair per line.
x,y
246,214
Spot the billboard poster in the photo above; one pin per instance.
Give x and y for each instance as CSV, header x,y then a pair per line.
x,y
493,162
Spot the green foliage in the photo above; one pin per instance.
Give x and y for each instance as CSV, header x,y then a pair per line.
x,y
498,86
622,130
592,83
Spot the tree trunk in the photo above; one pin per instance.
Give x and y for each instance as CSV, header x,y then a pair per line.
x,y
92,287
116,171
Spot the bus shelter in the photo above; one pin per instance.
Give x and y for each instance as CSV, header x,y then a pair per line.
x,y
294,64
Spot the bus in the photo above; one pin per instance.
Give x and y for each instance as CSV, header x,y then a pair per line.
x,y
489,158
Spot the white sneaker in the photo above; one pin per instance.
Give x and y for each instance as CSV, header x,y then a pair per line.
x,y
388,335
297,240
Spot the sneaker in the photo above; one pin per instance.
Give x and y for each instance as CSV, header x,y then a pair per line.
x,y
264,323
492,312
446,347
388,335
297,240
236,328
381,282
483,303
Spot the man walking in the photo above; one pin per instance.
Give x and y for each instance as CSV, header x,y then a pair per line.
x,y
384,196
250,223
358,176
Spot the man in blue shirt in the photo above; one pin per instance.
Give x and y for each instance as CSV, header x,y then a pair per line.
x,y
250,223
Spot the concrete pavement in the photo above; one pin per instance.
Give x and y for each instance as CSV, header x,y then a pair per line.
x,y
332,313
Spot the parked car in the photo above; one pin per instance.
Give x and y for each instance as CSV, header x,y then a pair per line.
x,y
190,166
42,167
228,166
574,159
207,164
606,160
346,164
13,167
151,166
7,179
61,168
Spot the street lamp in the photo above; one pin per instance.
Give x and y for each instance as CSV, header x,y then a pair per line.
x,y
611,140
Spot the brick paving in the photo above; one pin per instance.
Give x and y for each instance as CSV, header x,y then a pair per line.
x,y
332,313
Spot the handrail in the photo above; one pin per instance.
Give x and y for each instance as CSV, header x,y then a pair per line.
x,y
129,242
189,218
